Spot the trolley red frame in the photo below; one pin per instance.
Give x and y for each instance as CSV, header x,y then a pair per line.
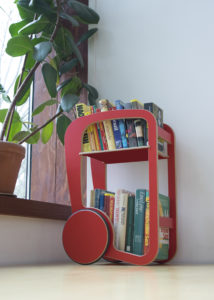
x,y
99,159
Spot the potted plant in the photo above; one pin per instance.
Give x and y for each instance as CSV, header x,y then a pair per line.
x,y
43,38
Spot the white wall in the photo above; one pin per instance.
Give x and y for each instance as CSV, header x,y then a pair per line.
x,y
30,241
163,51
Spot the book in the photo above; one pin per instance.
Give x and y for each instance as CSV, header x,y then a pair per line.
x,y
117,216
91,136
92,198
119,105
130,127
158,113
139,131
121,228
108,125
136,104
102,134
95,130
81,110
109,205
163,231
117,134
146,233
130,224
139,219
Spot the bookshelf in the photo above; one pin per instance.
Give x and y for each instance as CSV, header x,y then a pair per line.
x,y
88,234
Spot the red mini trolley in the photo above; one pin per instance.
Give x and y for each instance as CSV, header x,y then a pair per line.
x,y
88,234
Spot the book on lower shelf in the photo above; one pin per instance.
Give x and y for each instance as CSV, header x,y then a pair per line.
x,y
129,213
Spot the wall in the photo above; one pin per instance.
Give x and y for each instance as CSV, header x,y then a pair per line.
x,y
30,241
163,51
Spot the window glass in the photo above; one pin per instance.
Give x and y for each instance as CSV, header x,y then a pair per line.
x,y
10,68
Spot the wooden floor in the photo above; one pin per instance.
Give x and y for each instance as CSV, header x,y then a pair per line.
x,y
107,281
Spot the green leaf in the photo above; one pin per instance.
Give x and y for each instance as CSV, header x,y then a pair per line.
x,y
14,28
47,133
84,12
39,7
69,18
50,78
61,46
30,61
5,97
24,12
22,134
64,83
26,91
18,46
62,124
87,35
42,106
72,87
16,125
76,51
35,26
68,66
41,50
92,93
68,101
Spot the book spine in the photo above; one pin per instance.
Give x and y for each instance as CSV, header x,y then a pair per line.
x,y
108,126
139,132
117,134
122,125
92,198
101,202
111,207
81,110
103,136
121,231
146,239
132,138
97,198
139,219
95,130
130,224
116,216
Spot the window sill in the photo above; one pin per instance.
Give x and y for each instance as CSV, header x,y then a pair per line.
x,y
33,209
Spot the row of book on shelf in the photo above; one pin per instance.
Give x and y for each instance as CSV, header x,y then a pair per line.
x,y
129,214
122,133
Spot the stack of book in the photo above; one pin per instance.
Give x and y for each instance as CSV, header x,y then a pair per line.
x,y
122,133
129,214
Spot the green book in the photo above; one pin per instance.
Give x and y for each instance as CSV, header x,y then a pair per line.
x,y
139,220
163,231
130,224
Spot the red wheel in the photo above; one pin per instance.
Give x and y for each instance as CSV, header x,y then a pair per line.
x,y
85,236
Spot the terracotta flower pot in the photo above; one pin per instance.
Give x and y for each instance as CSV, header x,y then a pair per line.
x,y
11,156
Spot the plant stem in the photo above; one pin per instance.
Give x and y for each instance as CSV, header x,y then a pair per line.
x,y
39,128
28,77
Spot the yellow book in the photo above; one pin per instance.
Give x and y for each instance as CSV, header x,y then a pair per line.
x,y
81,110
108,126
91,136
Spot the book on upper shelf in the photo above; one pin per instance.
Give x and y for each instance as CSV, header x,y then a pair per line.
x,y
104,106
119,105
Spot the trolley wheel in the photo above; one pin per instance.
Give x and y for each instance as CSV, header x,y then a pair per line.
x,y
85,236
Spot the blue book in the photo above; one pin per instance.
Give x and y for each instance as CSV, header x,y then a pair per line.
x,y
122,126
117,134
139,221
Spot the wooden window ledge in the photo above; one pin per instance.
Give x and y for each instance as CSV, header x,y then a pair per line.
x,y
10,205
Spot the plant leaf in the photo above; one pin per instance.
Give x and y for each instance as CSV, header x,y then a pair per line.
x,y
68,101
62,124
41,50
18,46
35,26
42,106
68,66
16,125
14,28
87,35
22,134
64,84
69,18
76,51
26,92
50,78
92,93
47,133
72,87
84,12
